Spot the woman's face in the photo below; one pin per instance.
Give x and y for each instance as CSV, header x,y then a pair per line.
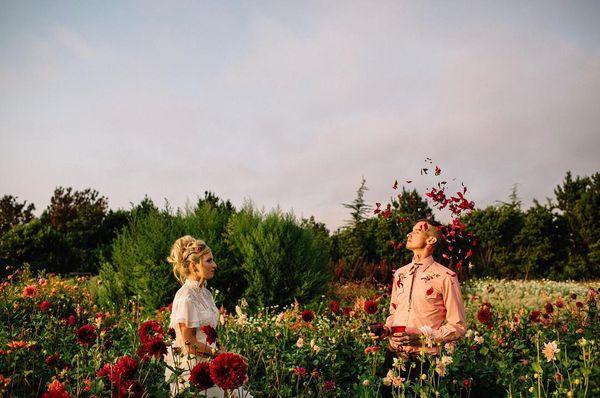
x,y
206,270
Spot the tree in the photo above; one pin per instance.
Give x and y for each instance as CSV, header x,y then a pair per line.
x,y
14,213
540,243
358,207
579,201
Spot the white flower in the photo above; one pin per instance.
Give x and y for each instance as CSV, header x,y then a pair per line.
x,y
399,364
550,350
366,382
427,332
469,333
446,360
582,341
300,343
450,347
478,339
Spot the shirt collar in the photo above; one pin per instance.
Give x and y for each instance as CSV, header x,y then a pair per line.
x,y
423,264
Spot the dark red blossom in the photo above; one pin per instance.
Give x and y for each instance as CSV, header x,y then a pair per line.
x,y
200,376
155,348
346,310
484,315
370,307
171,333
210,332
308,316
150,330
549,308
535,316
329,385
334,307
579,304
44,306
299,372
52,360
229,371
86,335
72,320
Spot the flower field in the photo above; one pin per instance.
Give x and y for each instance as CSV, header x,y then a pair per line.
x,y
525,339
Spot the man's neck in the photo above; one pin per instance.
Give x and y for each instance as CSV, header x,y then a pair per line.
x,y
421,254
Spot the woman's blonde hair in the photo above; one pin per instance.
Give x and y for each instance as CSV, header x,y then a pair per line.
x,y
185,250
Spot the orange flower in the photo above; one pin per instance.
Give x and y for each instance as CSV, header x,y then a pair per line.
x,y
18,344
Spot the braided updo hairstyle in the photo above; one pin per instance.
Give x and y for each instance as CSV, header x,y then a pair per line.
x,y
185,250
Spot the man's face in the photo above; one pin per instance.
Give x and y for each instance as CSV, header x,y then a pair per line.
x,y
417,238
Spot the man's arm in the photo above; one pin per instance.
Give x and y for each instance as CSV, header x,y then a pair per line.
x,y
456,319
393,302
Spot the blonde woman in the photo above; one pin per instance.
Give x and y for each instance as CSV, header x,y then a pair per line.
x,y
193,308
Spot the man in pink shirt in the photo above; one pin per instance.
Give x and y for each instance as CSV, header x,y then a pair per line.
x,y
426,300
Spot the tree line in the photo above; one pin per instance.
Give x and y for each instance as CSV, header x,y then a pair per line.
x,y
264,253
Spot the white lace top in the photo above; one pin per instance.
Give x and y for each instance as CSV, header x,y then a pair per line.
x,y
193,306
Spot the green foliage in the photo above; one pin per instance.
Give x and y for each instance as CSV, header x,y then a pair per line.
x,y
358,206
579,201
14,213
139,267
280,259
364,250
496,228
269,259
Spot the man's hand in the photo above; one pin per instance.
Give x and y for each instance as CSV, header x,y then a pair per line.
x,y
411,336
385,334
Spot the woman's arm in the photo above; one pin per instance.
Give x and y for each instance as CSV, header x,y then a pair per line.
x,y
194,347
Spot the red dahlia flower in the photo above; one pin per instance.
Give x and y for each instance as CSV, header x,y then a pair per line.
x,y
150,330
155,348
125,368
44,306
228,370
484,315
200,376
334,307
308,316
535,316
210,332
86,335
130,389
56,390
30,291
370,307
329,385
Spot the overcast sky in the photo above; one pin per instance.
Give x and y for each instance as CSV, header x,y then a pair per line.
x,y
291,103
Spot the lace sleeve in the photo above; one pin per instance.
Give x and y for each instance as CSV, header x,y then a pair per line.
x,y
191,311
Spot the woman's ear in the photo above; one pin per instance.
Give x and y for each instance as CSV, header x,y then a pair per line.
x,y
432,240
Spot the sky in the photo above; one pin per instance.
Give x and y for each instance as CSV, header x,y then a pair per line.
x,y
290,104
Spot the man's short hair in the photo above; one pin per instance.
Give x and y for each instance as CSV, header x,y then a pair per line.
x,y
433,229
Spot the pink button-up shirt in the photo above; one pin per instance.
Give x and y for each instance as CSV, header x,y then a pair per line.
x,y
427,295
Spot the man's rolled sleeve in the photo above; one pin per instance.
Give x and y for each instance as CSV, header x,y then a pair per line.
x,y
456,320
